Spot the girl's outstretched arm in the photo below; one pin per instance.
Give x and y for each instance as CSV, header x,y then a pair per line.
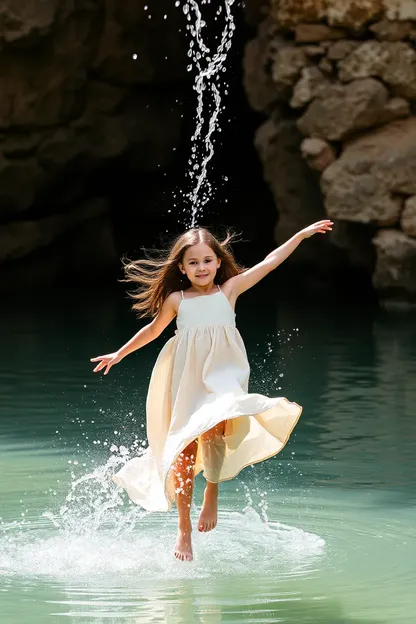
x,y
249,278
145,335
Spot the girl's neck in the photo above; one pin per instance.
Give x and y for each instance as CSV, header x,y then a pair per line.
x,y
202,290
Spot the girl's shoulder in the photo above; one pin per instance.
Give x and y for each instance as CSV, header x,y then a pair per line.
x,y
227,286
174,299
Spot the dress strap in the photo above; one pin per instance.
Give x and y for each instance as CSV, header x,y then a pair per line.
x,y
219,287
182,293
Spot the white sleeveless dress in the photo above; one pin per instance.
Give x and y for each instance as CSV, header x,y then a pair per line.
x,y
200,378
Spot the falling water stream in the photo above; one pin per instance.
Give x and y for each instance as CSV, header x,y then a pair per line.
x,y
209,63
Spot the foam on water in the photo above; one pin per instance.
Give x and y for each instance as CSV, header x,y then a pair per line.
x,y
142,548
97,532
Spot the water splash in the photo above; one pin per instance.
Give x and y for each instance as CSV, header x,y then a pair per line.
x,y
94,538
96,532
209,65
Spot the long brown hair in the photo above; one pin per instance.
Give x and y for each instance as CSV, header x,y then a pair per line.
x,y
158,277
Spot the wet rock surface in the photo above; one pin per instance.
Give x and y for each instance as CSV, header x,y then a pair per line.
x,y
353,100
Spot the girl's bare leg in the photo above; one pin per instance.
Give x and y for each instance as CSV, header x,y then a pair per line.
x,y
209,513
183,475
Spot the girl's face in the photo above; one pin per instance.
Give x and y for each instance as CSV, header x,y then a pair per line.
x,y
200,264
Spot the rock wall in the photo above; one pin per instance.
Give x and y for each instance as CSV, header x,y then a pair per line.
x,y
83,83
337,82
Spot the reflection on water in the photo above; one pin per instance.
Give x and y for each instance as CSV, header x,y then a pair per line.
x,y
324,532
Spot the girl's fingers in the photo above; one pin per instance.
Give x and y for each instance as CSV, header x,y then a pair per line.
x,y
100,366
109,356
104,362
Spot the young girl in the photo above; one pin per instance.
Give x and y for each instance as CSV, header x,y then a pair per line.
x,y
200,415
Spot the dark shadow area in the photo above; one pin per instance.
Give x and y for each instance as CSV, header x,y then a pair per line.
x,y
143,206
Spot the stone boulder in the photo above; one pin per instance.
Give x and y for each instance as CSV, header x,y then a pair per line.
x,y
314,51
408,219
309,85
340,49
392,30
259,86
344,72
396,108
53,251
392,62
278,144
394,275
21,22
349,14
287,64
21,238
341,110
314,33
373,174
326,66
85,84
318,153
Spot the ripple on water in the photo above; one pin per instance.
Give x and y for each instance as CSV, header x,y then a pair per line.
x,y
117,558
35,549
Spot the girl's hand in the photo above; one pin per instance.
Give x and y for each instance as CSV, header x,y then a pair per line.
x,y
320,227
106,361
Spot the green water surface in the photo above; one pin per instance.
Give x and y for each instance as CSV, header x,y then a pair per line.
x,y
324,532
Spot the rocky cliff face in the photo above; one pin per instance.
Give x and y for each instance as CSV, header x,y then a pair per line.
x,y
83,83
337,82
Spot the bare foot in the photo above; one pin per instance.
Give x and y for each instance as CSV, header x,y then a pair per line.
x,y
183,548
209,512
